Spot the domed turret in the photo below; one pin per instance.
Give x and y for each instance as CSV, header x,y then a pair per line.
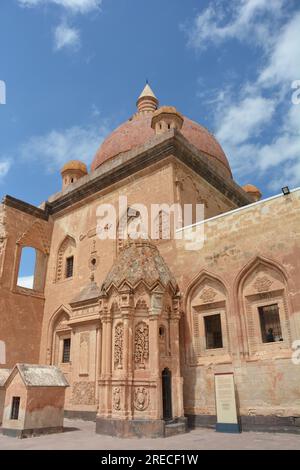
x,y
72,171
166,118
253,191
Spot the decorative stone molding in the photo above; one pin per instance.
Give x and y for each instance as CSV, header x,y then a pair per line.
x,y
262,284
117,398
141,344
141,398
118,346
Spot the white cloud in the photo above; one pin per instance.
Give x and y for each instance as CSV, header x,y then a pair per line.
x,y
66,36
5,165
242,118
26,281
245,119
74,6
284,63
57,147
251,20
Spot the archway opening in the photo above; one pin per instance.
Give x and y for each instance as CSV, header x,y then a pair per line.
x,y
167,394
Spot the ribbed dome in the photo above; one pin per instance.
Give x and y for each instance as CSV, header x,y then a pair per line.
x,y
137,130
138,261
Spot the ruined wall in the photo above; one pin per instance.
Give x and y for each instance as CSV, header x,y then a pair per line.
x,y
21,309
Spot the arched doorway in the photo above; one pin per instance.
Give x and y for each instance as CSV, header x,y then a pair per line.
x,y
167,394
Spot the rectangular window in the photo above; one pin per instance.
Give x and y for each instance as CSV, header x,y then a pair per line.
x,y
270,323
213,331
69,266
66,350
15,406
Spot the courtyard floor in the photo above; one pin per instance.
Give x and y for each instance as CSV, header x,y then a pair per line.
x,y
81,435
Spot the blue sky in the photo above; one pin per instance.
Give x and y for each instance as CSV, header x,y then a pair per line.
x,y
74,68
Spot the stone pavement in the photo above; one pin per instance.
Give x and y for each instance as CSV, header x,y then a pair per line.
x,y
80,435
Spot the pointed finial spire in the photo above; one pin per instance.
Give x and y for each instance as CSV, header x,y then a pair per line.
x,y
147,100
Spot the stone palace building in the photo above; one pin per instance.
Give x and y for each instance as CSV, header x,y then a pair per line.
x,y
140,326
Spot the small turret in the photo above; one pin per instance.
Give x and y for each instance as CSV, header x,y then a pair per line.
x,y
72,171
253,192
166,118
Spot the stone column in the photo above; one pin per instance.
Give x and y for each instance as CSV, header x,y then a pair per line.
x,y
177,380
154,356
126,302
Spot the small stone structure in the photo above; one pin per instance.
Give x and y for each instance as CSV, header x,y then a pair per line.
x,y
4,374
34,400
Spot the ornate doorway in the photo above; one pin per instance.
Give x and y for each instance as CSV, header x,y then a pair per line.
x,y
167,394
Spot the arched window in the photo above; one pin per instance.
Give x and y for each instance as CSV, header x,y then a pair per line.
x,y
207,306
262,294
66,259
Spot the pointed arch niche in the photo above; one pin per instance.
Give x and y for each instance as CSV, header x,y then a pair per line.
x,y
59,339
206,304
65,259
263,305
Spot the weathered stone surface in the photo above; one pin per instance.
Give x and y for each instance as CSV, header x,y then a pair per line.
x,y
35,375
140,261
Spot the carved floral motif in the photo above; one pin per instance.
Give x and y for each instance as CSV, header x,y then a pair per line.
x,y
116,398
141,398
208,295
141,343
118,348
262,284
83,393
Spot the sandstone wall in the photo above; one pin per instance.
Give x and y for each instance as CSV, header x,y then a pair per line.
x,y
21,309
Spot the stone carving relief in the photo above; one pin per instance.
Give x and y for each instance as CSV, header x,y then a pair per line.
x,y
262,284
141,399
83,393
141,344
118,346
208,295
84,353
117,398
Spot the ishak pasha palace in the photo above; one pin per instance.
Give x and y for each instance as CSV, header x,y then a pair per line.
x,y
132,330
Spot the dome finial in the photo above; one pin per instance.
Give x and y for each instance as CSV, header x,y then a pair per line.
x,y
147,100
